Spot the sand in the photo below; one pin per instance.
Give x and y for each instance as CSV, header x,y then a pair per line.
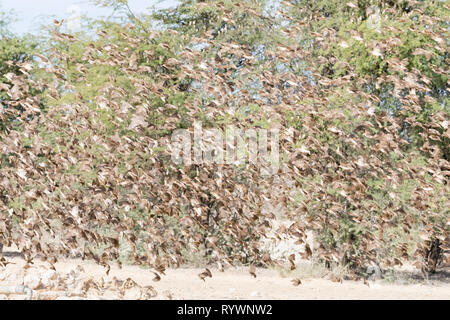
x,y
234,283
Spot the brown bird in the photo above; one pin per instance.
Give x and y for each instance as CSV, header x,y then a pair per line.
x,y
296,282
157,277
4,262
220,265
266,258
291,259
252,270
308,253
58,23
366,282
204,274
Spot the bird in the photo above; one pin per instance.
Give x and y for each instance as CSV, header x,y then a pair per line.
x,y
296,282
157,277
204,274
58,23
252,270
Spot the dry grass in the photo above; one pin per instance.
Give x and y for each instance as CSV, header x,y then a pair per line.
x,y
310,270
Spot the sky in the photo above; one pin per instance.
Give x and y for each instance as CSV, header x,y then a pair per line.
x,y
33,13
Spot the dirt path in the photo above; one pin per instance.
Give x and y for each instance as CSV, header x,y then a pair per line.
x,y
234,283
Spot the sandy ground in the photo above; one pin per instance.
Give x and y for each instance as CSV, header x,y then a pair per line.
x,y
234,283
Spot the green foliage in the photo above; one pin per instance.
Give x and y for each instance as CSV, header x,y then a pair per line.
x,y
13,49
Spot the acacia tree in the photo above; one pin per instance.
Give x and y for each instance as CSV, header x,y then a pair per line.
x,y
15,54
